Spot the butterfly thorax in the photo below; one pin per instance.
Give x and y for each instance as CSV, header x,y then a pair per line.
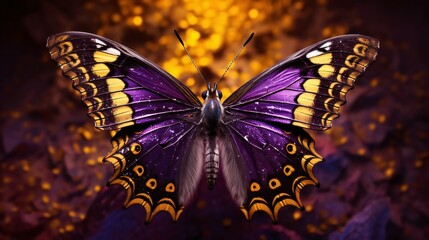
x,y
212,112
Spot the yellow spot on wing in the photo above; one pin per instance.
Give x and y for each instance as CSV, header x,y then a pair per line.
x,y
303,114
170,187
122,114
151,183
290,148
274,183
136,148
326,71
119,98
139,170
100,56
322,59
360,49
100,69
254,187
288,170
115,84
306,99
312,85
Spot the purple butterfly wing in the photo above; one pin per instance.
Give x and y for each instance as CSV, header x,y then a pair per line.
x,y
157,165
273,157
307,88
157,115
119,87
275,164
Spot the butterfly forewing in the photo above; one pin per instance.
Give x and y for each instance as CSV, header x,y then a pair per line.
x,y
307,88
119,87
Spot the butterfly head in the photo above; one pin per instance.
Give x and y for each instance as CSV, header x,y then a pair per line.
x,y
212,108
211,93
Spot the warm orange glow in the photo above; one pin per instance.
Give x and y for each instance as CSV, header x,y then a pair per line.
x,y
137,20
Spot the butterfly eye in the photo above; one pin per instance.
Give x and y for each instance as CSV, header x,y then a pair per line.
x,y
219,94
204,94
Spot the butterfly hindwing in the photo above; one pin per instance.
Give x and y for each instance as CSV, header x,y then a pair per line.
x,y
148,161
119,87
278,163
307,88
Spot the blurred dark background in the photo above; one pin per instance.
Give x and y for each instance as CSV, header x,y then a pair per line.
x,y
374,181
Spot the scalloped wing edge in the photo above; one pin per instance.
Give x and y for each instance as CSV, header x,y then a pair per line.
x,y
283,199
118,162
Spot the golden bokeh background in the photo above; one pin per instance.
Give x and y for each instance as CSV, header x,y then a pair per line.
x,y
213,31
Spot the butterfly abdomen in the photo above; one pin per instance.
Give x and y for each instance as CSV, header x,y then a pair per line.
x,y
211,163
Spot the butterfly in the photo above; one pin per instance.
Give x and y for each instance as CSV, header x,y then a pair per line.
x,y
168,140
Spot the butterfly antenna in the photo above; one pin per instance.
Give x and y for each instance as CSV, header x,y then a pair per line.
x,y
233,60
189,55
